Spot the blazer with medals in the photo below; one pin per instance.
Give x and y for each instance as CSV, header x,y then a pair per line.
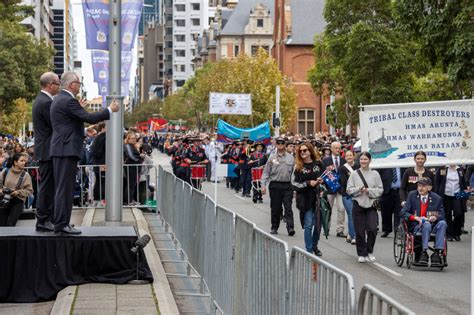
x,y
413,208
67,119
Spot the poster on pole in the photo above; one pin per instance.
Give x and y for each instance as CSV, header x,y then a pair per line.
x,y
393,133
230,104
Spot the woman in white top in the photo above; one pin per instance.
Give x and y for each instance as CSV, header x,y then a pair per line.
x,y
365,186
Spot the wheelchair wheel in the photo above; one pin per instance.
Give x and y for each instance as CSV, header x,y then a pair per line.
x,y
410,260
399,246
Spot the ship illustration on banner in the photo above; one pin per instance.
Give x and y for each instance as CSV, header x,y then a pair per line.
x,y
381,148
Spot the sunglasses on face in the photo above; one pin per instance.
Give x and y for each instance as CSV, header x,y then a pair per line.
x,y
280,142
303,150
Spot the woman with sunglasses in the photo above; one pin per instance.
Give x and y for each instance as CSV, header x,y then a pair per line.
x,y
306,180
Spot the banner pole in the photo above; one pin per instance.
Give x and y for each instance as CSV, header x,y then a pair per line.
x,y
114,150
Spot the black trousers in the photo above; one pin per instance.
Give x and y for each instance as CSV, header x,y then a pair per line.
x,y
130,185
65,169
45,201
257,191
99,185
281,193
454,215
365,225
390,207
10,215
246,180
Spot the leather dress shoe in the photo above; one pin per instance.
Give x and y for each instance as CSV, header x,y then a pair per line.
x,y
68,230
291,232
273,231
341,234
44,227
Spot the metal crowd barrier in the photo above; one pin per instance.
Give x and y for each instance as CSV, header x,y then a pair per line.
x,y
378,302
90,186
245,269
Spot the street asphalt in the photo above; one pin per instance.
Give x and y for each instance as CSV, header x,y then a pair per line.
x,y
425,291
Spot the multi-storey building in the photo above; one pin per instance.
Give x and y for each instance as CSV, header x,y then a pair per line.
x,y
64,38
153,62
40,23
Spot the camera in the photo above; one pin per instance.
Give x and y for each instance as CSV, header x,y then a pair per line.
x,y
6,197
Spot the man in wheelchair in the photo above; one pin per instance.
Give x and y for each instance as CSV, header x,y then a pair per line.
x,y
424,212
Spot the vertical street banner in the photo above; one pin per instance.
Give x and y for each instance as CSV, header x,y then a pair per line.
x,y
96,21
393,133
230,104
126,65
100,65
131,13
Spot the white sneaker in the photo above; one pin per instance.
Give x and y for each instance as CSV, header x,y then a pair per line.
x,y
362,259
371,258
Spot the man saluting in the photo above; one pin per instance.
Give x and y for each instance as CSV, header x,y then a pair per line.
x,y
67,119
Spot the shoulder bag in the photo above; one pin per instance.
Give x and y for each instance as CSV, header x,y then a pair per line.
x,y
376,203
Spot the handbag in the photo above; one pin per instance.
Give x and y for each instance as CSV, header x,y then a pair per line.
x,y
376,203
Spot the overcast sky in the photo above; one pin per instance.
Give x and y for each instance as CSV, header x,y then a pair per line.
x,y
84,55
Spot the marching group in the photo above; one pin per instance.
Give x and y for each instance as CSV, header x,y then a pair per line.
x,y
432,201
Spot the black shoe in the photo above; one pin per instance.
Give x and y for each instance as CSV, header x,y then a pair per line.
x,y
464,231
291,232
68,230
385,234
450,239
317,252
45,227
248,195
457,238
423,258
435,259
254,200
341,234
273,231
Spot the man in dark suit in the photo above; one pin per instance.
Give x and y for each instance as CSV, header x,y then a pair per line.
x,y
67,118
390,200
332,163
424,213
49,82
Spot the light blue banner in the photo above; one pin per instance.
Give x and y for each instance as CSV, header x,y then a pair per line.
x,y
227,132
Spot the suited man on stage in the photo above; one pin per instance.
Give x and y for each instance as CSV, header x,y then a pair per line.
x,y
49,83
67,119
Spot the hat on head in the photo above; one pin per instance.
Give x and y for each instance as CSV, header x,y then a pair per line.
x,y
280,139
425,181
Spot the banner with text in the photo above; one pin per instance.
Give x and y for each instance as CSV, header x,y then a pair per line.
x,y
96,21
230,104
393,133
100,65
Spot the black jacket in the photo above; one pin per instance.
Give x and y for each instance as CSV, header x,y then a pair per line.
x,y
67,119
98,149
344,174
42,126
386,176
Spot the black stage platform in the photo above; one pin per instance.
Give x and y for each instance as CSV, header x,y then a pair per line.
x,y
35,266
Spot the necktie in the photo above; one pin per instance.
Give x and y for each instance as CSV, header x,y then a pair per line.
x,y
336,160
394,176
423,199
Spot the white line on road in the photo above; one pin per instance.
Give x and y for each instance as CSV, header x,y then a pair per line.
x,y
387,269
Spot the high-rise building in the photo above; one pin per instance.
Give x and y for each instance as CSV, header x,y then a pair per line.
x,y
151,13
40,24
64,37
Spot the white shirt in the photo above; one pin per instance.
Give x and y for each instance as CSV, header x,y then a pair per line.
x,y
452,182
47,93
336,159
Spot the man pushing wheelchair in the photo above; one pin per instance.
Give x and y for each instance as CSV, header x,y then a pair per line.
x,y
424,214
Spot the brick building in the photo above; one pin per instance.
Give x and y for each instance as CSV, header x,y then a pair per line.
x,y
296,24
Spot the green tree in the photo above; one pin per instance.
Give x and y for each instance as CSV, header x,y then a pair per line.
x,y
362,58
257,76
434,86
142,112
445,30
22,59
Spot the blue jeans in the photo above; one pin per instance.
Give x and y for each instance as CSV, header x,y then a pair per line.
x,y
347,201
312,229
439,229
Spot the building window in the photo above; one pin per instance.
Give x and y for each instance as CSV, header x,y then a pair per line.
x,y
180,38
306,121
169,17
180,53
195,22
259,22
193,51
169,31
179,83
180,7
181,23
236,50
196,6
255,49
169,44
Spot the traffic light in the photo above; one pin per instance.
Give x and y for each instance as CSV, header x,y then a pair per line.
x,y
275,120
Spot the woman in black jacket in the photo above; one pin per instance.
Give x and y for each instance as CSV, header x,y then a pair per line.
x,y
450,182
306,181
132,157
